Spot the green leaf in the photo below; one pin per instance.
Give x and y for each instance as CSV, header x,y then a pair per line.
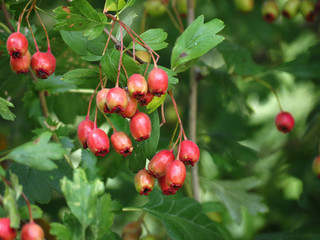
x,y
69,230
4,110
54,84
85,9
81,76
39,153
147,148
154,38
81,196
183,218
36,212
103,219
234,195
128,20
88,163
155,103
111,5
195,41
61,231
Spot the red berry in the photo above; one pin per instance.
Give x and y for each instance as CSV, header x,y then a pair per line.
x,y
101,100
6,232
284,122
175,174
316,166
157,165
270,10
189,152
146,99
84,128
32,231
42,65
307,10
98,142
137,86
117,100
21,65
53,60
166,190
121,143
143,182
17,45
158,82
131,108
140,126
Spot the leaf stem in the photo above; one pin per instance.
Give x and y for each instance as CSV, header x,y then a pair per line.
x,y
131,209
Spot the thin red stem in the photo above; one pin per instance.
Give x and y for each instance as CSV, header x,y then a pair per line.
x,y
105,115
174,133
125,71
27,18
162,115
95,118
44,28
110,33
21,16
100,76
89,107
177,15
148,64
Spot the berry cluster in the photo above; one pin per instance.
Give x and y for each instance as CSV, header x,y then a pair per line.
x,y
42,63
29,231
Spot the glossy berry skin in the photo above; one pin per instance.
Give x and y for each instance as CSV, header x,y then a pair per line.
x,y
101,100
137,86
32,231
166,190
53,60
307,10
270,11
143,182
20,65
121,143
140,126
146,99
41,65
84,128
284,122
131,108
157,165
157,82
244,6
117,100
291,8
98,142
6,232
175,174
17,45
132,228
316,166
189,152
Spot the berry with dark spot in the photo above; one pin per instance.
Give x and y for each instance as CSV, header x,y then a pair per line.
x,y
17,45
284,122
121,143
143,182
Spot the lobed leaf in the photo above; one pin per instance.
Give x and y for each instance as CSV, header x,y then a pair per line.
x,y
154,38
4,110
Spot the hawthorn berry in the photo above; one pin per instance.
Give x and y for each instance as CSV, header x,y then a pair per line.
x,y
166,190
291,8
131,108
98,142
182,7
6,232
84,128
157,165
121,143
157,82
20,65
117,100
143,55
175,174
284,122
17,45
42,65
146,99
143,182
137,86
101,100
53,60
189,152
307,10
140,126
270,11
316,166
244,5
32,231
132,228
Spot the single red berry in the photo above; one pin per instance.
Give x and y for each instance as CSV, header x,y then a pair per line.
x,y
146,99
121,143
20,65
189,152
84,128
98,142
101,100
284,122
41,64
132,228
6,232
316,166
166,190
53,60
140,126
137,86
17,45
175,174
270,10
131,108
32,231
157,165
291,8
158,82
143,182
117,100
307,9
